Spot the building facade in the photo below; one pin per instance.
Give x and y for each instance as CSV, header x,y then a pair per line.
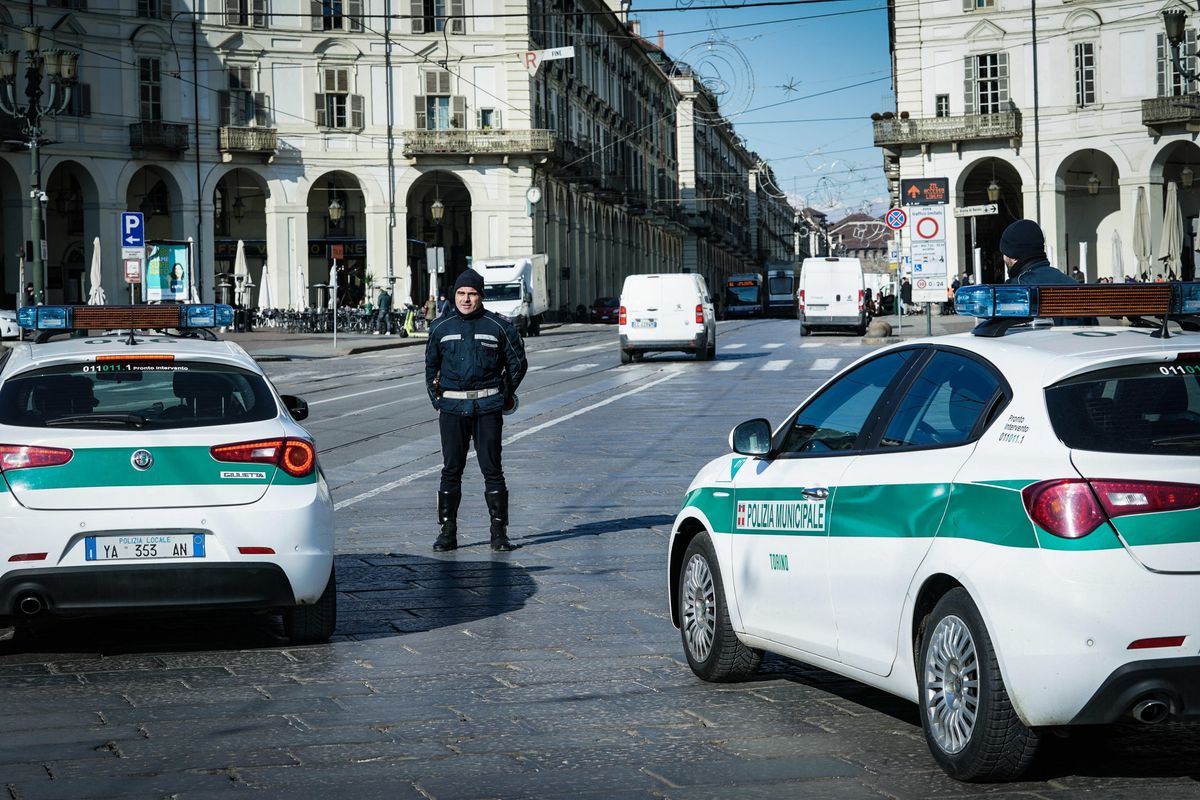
x,y
1071,138
366,134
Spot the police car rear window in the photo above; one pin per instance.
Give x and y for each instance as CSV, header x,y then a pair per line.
x,y
1144,408
135,393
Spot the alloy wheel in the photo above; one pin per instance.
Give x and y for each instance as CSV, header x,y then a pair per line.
x,y
699,608
951,684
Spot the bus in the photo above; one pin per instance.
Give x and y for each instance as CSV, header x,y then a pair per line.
x,y
781,292
743,295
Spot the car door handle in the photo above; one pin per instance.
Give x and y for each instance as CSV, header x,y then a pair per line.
x,y
818,492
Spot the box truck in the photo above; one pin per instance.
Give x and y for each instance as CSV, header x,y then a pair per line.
x,y
515,286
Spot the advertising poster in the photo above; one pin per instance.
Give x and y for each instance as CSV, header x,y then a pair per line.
x,y
168,272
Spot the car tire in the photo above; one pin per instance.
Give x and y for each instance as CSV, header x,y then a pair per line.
x,y
626,356
313,624
973,731
712,349
805,330
712,648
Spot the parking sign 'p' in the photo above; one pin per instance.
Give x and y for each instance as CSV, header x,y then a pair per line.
x,y
133,229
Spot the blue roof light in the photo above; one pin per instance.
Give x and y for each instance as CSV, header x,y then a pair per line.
x,y
1185,298
989,302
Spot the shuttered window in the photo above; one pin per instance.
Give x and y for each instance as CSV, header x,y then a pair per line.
x,y
435,16
1085,74
436,109
336,15
1170,82
336,107
149,89
985,83
154,9
978,5
246,13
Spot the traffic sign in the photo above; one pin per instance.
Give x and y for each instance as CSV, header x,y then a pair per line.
x,y
133,229
977,211
337,251
133,270
532,59
896,219
927,223
924,191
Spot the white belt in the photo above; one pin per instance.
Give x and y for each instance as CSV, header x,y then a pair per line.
x,y
474,394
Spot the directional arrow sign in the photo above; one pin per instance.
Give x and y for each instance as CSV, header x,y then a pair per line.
x,y
133,229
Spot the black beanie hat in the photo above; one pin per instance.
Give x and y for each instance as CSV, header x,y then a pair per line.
x,y
1023,239
471,278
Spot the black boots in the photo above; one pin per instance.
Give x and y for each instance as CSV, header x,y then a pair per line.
x,y
497,503
448,519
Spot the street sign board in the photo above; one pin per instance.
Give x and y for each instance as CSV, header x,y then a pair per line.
x,y
532,59
337,251
977,211
927,248
927,224
435,259
896,219
133,270
924,191
930,290
133,229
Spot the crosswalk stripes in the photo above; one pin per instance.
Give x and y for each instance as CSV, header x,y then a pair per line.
x,y
734,346
724,366
776,366
826,363
772,345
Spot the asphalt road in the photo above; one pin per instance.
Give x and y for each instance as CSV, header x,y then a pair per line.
x,y
552,671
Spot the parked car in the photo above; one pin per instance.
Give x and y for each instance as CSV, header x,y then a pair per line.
x,y
605,309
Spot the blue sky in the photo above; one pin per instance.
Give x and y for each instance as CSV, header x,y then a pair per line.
x,y
787,75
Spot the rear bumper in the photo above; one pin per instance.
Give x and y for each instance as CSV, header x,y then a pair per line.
x,y
1174,681
659,345
72,591
820,321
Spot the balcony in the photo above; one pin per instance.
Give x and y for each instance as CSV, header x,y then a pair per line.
x,y
247,141
963,128
168,137
1158,112
495,142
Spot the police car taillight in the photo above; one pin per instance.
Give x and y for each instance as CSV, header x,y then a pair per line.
x,y
1073,508
19,456
296,457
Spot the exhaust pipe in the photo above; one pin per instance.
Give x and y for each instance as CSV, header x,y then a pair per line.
x,y
1150,710
30,605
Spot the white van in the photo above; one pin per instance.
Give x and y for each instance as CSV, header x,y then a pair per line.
x,y
832,295
667,312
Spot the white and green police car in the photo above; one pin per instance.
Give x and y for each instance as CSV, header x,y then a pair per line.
x,y
156,469
1002,527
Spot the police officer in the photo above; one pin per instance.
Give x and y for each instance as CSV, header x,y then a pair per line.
x,y
474,362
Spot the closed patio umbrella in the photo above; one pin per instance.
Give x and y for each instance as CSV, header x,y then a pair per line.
x,y
1118,259
1141,233
241,273
264,288
1170,248
95,277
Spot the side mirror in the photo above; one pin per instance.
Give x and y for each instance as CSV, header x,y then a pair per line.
x,y
751,438
295,406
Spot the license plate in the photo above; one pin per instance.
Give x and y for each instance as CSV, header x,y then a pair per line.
x,y
143,547
645,323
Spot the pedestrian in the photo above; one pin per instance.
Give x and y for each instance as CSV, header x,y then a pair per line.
x,y
1023,246
383,313
443,305
474,362
29,296
905,296
430,309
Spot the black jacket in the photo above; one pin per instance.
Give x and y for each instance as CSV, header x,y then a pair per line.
x,y
483,351
1038,272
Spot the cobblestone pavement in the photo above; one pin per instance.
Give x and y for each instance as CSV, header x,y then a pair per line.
x,y
550,672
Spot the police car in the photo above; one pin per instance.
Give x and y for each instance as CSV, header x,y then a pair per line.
x,y
1003,527
155,468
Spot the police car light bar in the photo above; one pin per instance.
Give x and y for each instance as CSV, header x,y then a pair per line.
x,y
67,318
1010,305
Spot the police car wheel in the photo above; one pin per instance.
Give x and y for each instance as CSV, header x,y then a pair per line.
x,y
313,624
712,648
968,719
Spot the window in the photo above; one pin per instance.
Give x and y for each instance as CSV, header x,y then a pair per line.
x,y
429,16
241,106
1170,82
154,9
246,13
942,105
336,107
1085,74
834,419
80,104
150,89
77,5
336,15
986,83
189,394
436,109
488,118
943,405
978,5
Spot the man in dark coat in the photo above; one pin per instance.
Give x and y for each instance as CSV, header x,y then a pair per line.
x,y
474,362
1023,246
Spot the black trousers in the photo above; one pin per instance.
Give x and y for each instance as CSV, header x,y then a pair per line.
x,y
457,433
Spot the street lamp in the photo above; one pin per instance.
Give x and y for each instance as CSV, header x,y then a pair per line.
x,y
437,211
1185,177
58,66
1093,184
336,212
1175,21
993,191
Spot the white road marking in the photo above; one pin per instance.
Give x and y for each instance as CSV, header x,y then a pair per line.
x,y
408,399
579,368
826,363
724,366
736,346
407,479
539,366
359,394
773,346
775,366
810,344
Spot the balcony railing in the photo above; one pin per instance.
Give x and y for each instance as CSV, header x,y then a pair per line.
x,y
171,137
1181,110
260,141
480,142
962,128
